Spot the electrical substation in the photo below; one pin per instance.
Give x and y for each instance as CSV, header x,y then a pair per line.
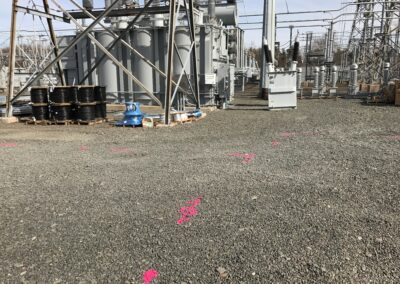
x,y
199,141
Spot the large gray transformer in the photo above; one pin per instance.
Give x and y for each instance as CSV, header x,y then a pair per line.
x,y
220,47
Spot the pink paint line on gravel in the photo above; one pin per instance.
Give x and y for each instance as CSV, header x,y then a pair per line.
x,y
8,145
149,276
120,150
294,134
84,149
288,134
394,138
275,143
189,211
310,133
247,158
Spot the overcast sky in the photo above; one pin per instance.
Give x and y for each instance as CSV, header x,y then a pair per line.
x,y
253,38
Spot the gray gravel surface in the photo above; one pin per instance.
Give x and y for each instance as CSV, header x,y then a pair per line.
x,y
319,203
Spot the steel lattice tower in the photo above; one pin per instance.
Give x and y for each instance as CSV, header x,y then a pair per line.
x,y
374,38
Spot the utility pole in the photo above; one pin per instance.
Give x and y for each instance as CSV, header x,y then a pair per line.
x,y
11,56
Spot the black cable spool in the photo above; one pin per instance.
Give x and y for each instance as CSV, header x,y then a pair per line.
x,y
61,112
74,112
86,94
87,112
40,111
73,93
60,95
98,110
39,95
103,107
100,94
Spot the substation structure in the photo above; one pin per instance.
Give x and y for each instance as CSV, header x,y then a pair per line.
x,y
175,54
356,55
369,63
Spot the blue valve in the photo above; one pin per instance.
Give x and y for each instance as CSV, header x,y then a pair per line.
x,y
133,116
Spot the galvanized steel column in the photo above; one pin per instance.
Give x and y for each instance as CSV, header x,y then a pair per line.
x,y
170,59
54,41
194,53
11,62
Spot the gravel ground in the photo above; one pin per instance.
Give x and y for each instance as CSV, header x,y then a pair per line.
x,y
310,195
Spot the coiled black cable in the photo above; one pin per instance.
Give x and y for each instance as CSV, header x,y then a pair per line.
x,y
60,95
87,112
40,112
74,112
86,94
100,94
104,110
98,110
39,95
73,94
61,113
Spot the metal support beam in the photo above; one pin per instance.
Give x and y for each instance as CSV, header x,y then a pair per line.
x,y
126,12
170,59
116,39
54,41
69,47
269,34
263,51
192,29
184,70
184,65
41,14
115,42
371,43
109,55
11,62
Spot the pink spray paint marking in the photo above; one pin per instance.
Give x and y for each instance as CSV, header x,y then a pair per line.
x,y
310,133
275,143
149,276
8,145
189,211
394,138
247,158
120,150
84,149
288,134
